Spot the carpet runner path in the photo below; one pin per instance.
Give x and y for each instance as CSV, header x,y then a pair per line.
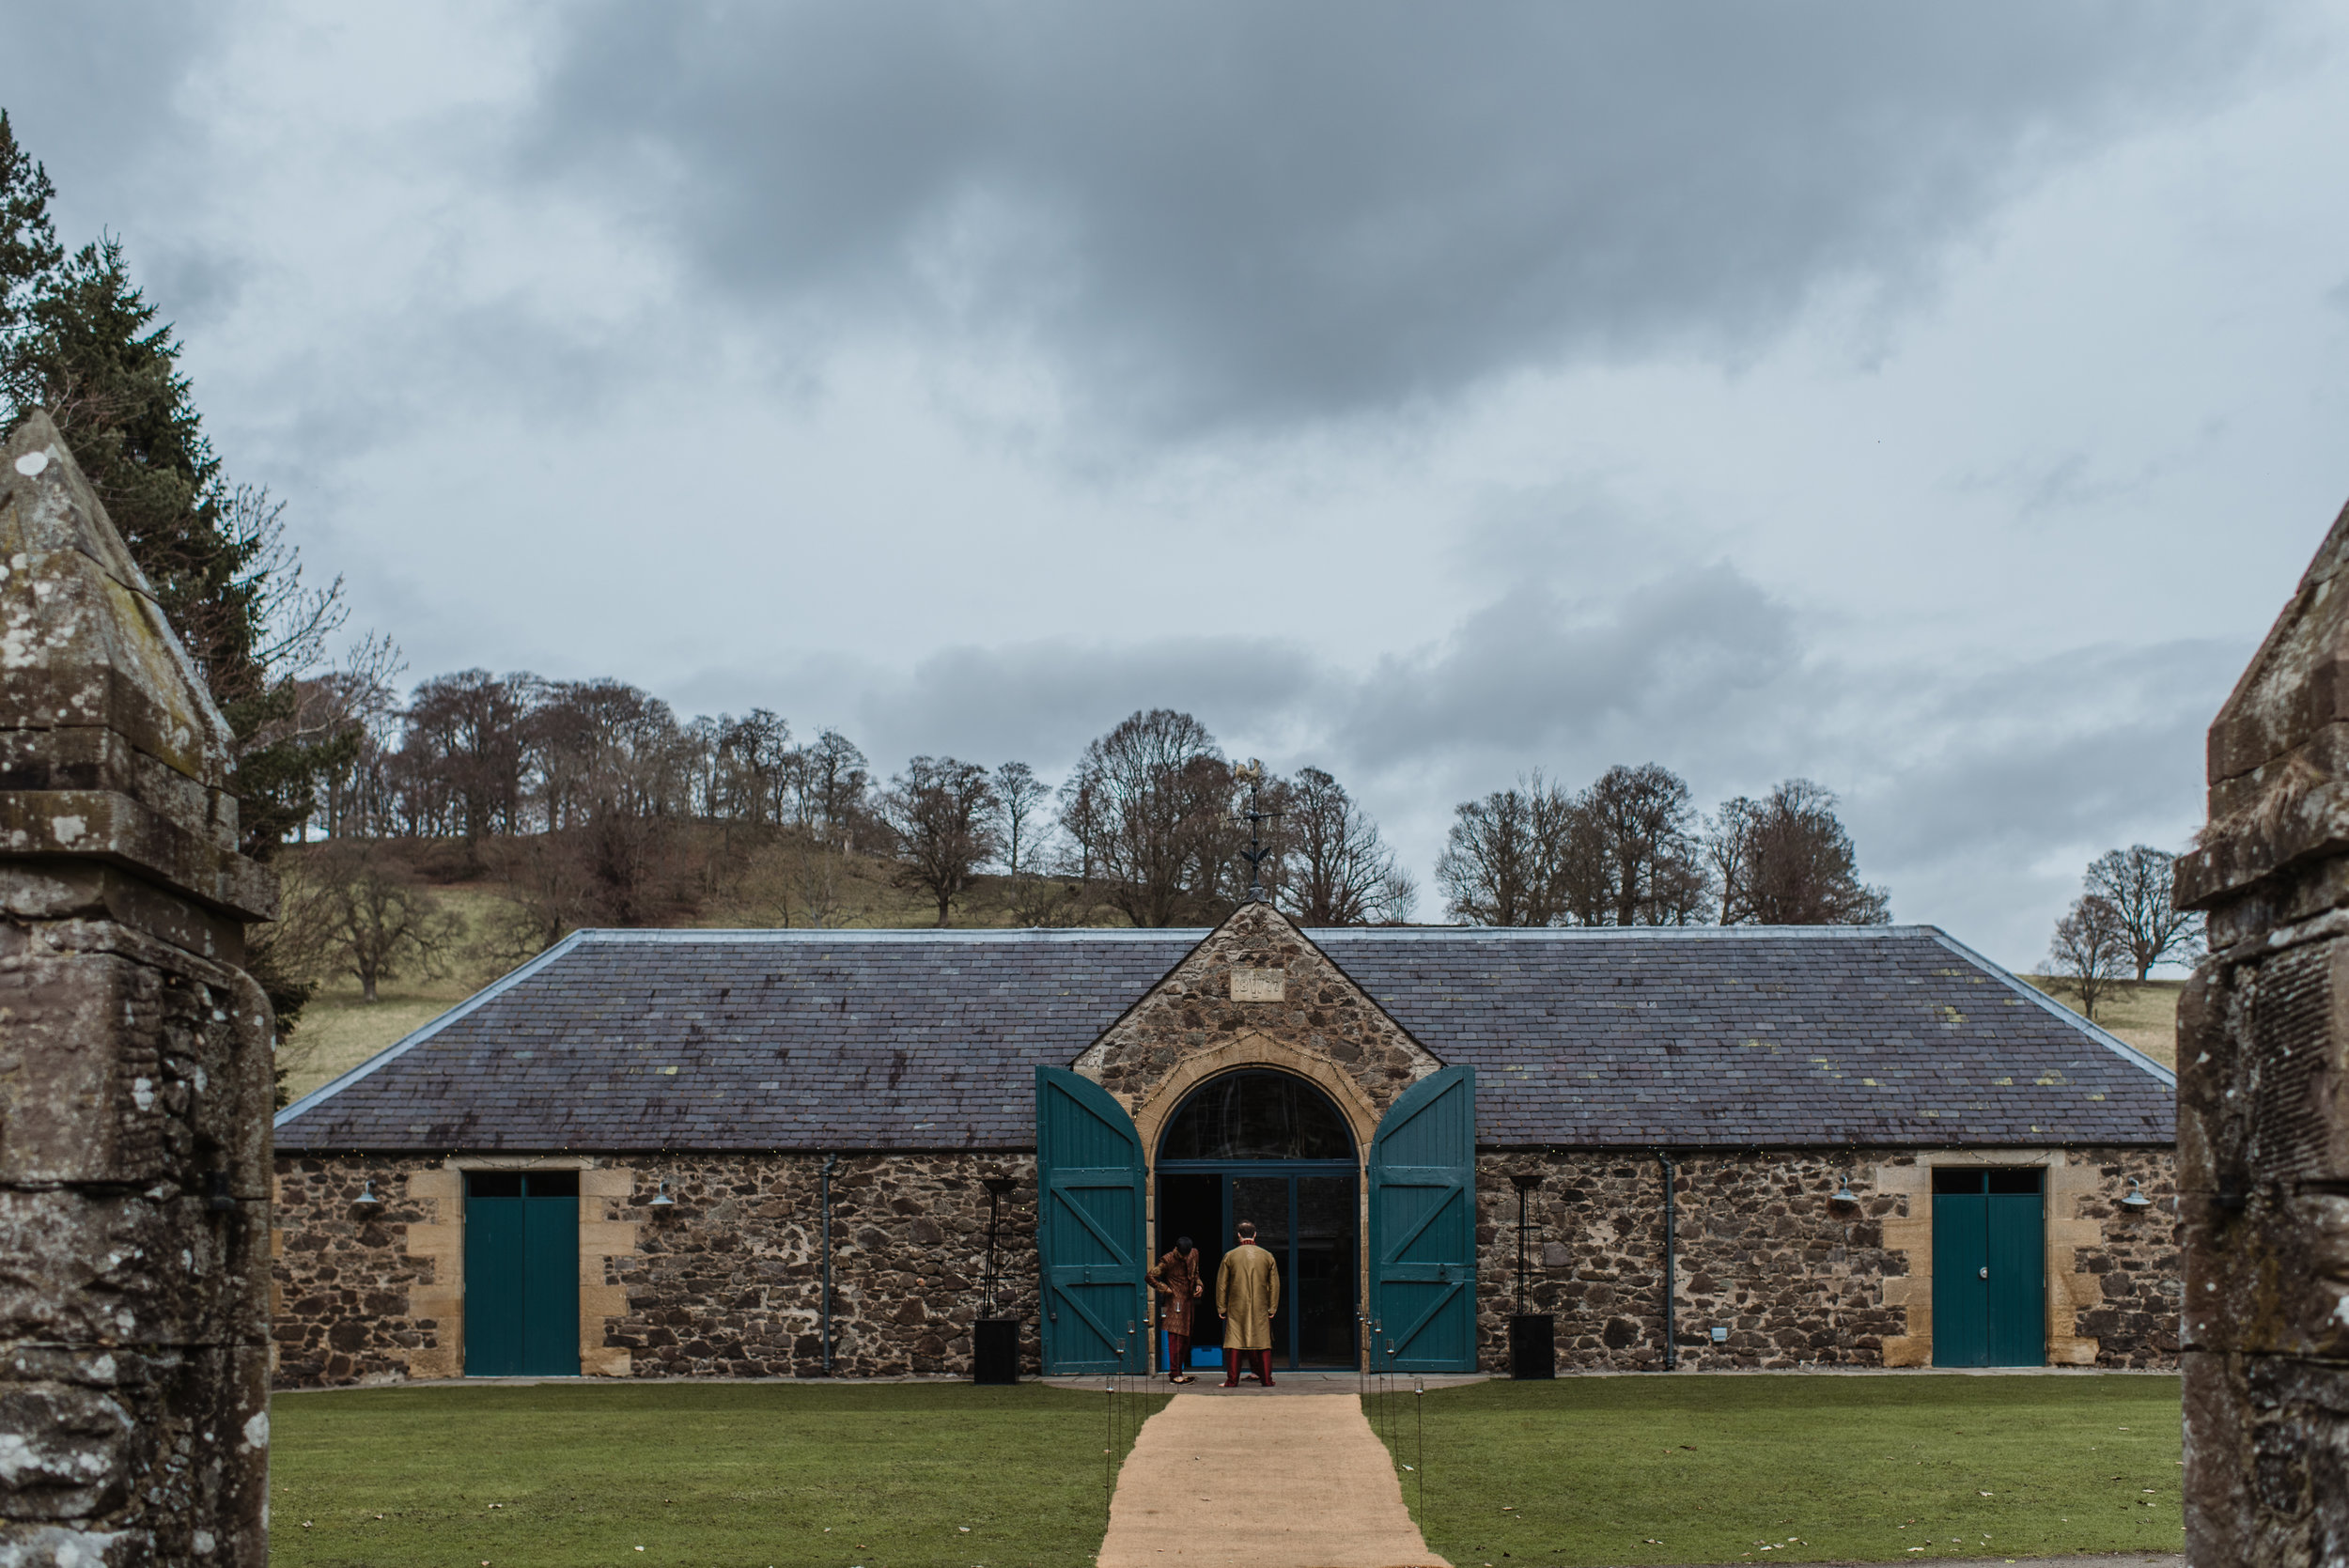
x,y
1253,1480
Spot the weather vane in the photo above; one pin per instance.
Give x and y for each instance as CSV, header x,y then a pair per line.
x,y
1251,774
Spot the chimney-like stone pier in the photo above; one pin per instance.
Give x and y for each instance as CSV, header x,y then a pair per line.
x,y
134,1065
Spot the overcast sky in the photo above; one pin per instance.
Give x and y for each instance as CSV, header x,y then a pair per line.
x,y
1936,402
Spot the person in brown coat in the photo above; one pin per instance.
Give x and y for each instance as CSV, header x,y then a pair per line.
x,y
1247,1293
1176,1277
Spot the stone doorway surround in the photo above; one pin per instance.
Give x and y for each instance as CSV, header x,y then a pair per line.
x,y
1257,994
2070,1292
442,1241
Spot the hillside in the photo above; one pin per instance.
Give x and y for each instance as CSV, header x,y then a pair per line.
x,y
2145,1015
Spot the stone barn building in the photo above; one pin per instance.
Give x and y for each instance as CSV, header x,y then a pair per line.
x,y
657,1153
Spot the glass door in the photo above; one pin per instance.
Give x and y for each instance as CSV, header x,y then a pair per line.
x,y
1307,1220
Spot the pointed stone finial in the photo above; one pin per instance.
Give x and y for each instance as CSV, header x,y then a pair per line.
x,y
111,749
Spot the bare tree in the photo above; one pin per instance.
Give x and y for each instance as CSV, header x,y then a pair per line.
x,y
942,813
1149,808
2136,881
547,896
1020,819
1785,859
1643,823
469,725
1500,862
377,922
1334,869
831,782
753,767
2090,951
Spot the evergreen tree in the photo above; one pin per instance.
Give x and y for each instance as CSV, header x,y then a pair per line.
x,y
29,245
78,338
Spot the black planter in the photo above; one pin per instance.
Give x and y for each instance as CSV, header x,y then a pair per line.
x,y
995,1350
1533,1347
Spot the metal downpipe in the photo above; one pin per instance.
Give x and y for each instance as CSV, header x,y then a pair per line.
x,y
825,1202
1672,1267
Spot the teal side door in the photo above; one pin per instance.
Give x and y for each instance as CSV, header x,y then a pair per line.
x,y
1961,1268
1989,1268
1089,1231
522,1274
1422,1226
2017,1249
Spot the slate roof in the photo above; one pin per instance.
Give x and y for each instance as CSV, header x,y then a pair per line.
x,y
1744,1036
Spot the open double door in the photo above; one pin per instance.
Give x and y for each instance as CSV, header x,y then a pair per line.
x,y
1420,1311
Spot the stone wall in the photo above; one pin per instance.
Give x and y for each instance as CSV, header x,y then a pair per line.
x,y
342,1278
1796,1278
721,1281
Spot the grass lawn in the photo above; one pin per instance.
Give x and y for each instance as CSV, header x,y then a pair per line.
x,y
561,1476
1714,1469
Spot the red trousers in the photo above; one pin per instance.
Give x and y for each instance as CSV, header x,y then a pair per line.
x,y
1260,1359
1178,1355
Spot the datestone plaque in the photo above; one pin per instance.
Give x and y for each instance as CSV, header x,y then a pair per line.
x,y
1259,985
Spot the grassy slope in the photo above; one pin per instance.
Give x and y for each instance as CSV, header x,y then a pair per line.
x,y
1710,1470
760,1474
2145,1015
337,1030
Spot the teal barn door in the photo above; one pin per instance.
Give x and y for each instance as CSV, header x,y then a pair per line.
x,y
1989,1268
2015,1218
1422,1226
1089,1231
522,1274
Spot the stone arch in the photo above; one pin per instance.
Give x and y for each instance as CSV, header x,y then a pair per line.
x,y
1255,1048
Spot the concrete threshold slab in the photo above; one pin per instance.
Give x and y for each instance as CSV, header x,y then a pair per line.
x,y
1282,1383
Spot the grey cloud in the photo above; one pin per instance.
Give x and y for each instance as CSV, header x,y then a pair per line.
x,y
90,88
1038,701
1225,212
1534,672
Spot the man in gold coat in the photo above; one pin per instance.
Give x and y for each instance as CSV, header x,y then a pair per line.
x,y
1247,1293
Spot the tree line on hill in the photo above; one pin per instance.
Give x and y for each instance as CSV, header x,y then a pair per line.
x,y
590,802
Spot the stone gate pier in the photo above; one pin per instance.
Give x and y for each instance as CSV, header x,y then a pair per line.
x,y
2264,1104
134,1065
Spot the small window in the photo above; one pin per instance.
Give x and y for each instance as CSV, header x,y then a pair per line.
x,y
553,1183
2016,1179
493,1183
1949,1181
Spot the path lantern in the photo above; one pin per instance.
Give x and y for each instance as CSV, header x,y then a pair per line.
x,y
994,1338
1533,1336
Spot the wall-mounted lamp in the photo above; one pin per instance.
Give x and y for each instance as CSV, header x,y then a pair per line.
x,y
662,1199
1845,1197
2136,1202
366,1199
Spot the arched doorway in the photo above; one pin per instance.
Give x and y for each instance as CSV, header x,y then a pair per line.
x,y
1269,1148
